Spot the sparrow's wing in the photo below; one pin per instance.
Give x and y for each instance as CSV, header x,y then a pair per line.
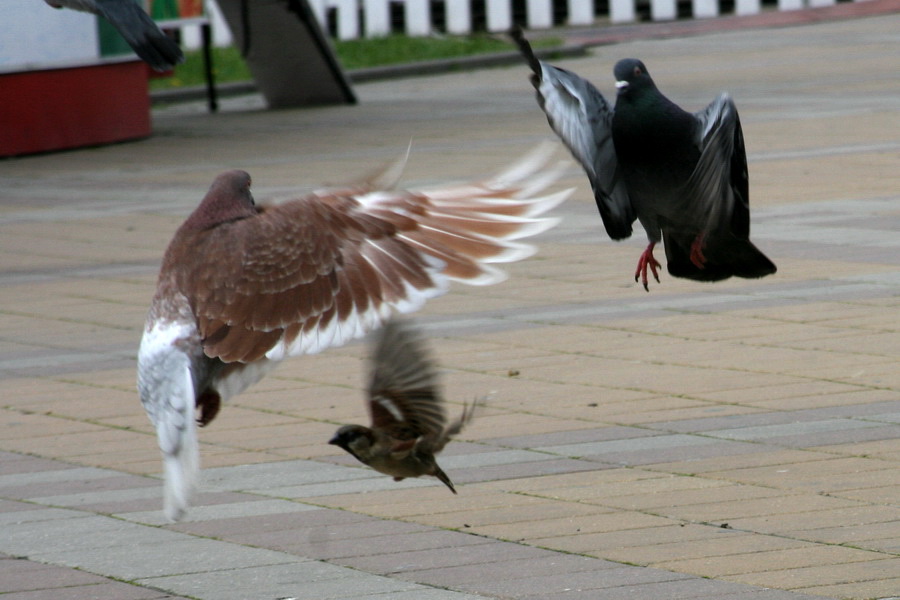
x,y
318,271
582,118
404,400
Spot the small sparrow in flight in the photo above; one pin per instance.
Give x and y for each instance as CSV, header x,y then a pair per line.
x,y
406,408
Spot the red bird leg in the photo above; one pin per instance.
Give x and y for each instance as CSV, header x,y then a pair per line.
x,y
647,260
697,251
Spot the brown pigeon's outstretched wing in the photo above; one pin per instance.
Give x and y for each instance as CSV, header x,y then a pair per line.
x,y
308,274
403,396
581,117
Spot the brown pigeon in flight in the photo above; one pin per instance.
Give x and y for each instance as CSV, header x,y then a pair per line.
x,y
682,175
243,286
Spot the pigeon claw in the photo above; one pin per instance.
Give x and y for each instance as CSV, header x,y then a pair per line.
x,y
697,256
647,260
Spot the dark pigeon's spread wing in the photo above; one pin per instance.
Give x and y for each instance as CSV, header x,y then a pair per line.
x,y
404,399
142,34
581,117
719,186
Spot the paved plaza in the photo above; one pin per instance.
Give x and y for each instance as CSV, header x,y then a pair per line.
x,y
728,441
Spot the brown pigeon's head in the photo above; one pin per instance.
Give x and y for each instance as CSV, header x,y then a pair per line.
x,y
631,74
228,199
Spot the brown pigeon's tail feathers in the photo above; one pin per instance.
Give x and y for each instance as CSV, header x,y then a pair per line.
x,y
181,474
166,387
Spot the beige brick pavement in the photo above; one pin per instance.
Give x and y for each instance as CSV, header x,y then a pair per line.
x,y
746,431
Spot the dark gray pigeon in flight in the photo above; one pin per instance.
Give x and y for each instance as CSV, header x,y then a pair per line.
x,y
683,175
143,35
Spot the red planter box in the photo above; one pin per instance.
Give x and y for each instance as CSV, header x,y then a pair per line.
x,y
85,105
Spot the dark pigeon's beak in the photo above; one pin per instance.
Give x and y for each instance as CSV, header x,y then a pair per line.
x,y
621,86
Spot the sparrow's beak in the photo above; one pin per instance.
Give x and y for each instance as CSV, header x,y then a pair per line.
x,y
333,441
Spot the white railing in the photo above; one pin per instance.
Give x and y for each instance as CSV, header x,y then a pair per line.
x,y
372,18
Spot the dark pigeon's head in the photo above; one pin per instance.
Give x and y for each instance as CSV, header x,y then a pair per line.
x,y
631,74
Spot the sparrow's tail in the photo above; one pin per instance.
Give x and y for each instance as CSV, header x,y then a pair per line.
x,y
721,259
439,473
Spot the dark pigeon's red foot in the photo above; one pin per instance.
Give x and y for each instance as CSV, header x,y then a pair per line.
x,y
697,252
647,260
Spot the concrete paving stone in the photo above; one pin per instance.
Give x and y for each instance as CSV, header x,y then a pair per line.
x,y
620,447
460,555
764,457
432,500
244,524
12,463
252,507
598,544
781,505
332,541
520,470
692,588
417,593
593,434
111,590
883,589
801,578
654,591
31,514
276,475
818,520
597,519
759,559
588,479
71,475
20,575
301,579
728,499
608,576
802,474
882,494
176,556
552,564
78,533
693,452
17,426
703,556
874,536
407,542
753,426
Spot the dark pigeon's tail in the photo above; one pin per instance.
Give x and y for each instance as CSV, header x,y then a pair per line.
x,y
724,258
525,48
